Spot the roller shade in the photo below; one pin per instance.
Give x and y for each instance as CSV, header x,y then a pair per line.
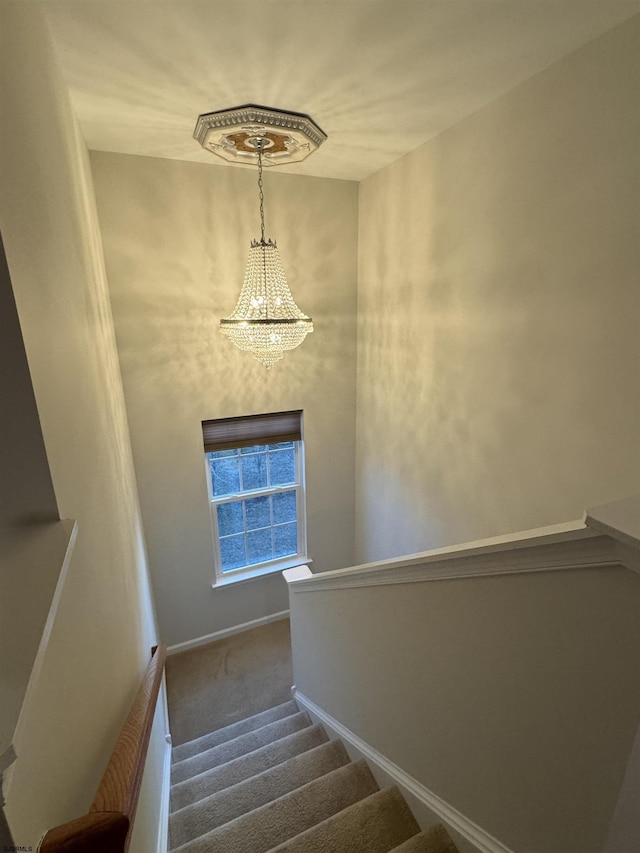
x,y
228,433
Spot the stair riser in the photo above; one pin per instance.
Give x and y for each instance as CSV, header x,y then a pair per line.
x,y
208,741
237,747
376,824
215,780
274,784
214,811
264,827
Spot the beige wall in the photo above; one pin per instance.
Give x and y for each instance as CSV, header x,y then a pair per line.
x,y
27,495
100,642
498,307
176,237
514,699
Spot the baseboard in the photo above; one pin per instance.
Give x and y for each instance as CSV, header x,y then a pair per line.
x,y
426,806
226,632
163,835
165,804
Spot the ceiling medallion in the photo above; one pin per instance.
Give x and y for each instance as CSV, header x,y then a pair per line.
x,y
231,134
266,320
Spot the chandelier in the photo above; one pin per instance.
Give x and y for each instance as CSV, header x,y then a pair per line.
x,y
266,321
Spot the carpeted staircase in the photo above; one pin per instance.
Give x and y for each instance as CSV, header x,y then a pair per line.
x,y
275,782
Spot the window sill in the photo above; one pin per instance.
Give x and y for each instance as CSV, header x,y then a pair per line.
x,y
259,572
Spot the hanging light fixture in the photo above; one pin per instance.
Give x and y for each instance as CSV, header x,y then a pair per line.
x,y
266,320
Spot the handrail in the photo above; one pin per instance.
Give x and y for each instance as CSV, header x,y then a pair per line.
x,y
106,827
560,548
606,537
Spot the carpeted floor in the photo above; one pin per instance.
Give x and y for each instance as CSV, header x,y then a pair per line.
x,y
275,783
215,685
251,773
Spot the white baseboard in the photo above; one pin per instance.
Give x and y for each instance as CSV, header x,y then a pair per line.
x,y
426,806
163,835
165,805
227,632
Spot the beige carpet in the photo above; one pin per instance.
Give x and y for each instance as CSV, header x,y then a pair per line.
x,y
251,773
229,680
274,783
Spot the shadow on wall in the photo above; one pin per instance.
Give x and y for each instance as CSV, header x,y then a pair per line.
x,y
498,314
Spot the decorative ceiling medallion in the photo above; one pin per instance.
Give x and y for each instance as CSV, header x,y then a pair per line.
x,y
237,133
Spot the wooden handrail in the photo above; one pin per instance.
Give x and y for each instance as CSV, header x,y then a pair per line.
x,y
106,827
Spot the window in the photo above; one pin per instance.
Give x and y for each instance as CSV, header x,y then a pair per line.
x,y
255,474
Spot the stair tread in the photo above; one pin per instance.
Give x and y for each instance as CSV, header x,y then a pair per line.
x,y
376,824
226,805
226,733
241,745
224,775
290,815
432,840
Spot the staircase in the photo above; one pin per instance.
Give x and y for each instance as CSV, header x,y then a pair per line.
x,y
275,782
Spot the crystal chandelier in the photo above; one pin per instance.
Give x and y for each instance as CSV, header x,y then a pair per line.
x,y
266,320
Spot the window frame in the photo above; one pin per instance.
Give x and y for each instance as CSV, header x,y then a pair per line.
x,y
266,567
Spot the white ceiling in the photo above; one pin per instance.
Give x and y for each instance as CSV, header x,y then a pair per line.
x,y
379,76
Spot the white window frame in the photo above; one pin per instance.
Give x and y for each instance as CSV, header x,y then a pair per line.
x,y
255,570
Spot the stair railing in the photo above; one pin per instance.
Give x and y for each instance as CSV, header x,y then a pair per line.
x,y
106,826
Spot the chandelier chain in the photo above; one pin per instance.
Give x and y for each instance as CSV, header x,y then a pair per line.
x,y
261,189
265,295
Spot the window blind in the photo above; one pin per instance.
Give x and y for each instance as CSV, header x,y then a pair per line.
x,y
271,428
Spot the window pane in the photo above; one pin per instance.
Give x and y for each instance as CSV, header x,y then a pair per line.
x,y
263,527
259,546
225,475
254,471
282,466
232,552
285,540
230,519
258,514
284,507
